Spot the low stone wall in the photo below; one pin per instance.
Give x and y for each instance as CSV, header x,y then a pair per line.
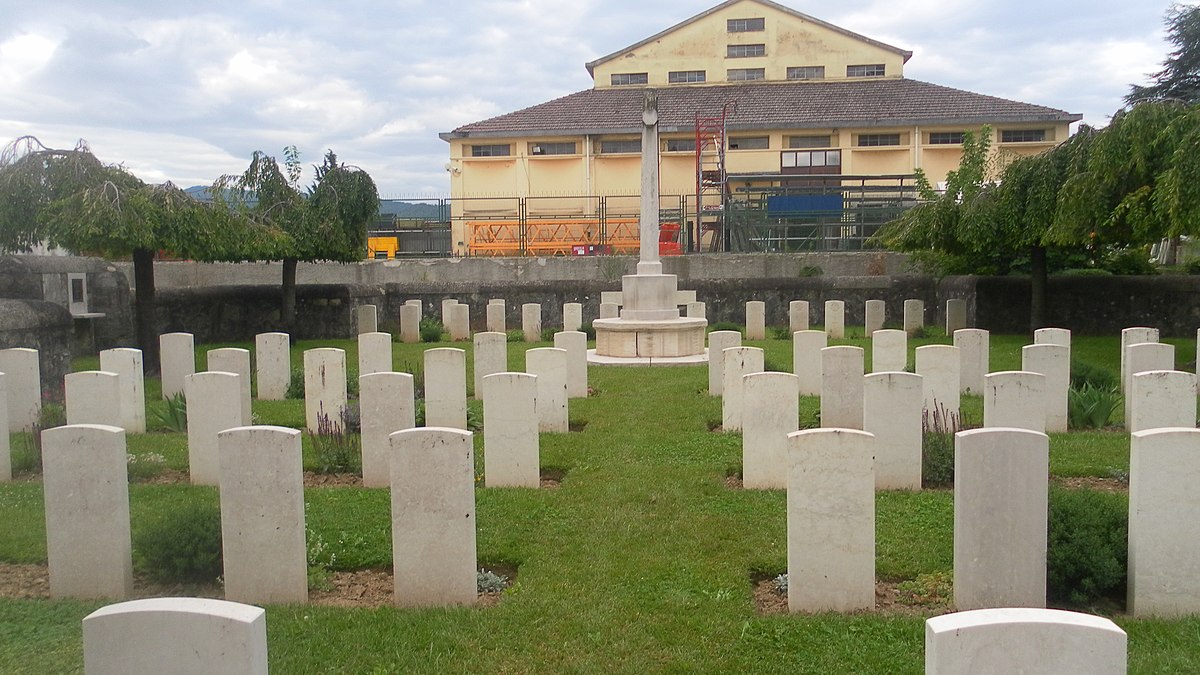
x,y
43,326
44,278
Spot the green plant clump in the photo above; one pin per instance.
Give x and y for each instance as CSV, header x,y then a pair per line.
x,y
515,335
1092,407
295,390
548,334
1134,261
172,414
487,581
938,427
1084,373
430,330
1087,549
338,450
181,544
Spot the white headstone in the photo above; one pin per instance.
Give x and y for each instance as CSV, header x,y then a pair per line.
x,y
609,310
1052,336
696,310
495,316
1053,361
572,317
460,322
956,315
575,344
774,399
86,486
974,347
756,320
798,315
214,405
874,316
718,342
446,388
237,361
127,364
93,397
892,412
410,323
1016,399
914,316
177,358
366,319
835,319
1142,357
739,362
490,357
262,515
842,387
831,520
806,359
1000,503
273,365
374,353
447,303
324,387
24,387
531,321
889,351
549,364
387,405
433,517
1162,398
1133,336
939,365
510,431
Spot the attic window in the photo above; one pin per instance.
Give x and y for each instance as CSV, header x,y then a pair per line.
x,y
876,140
743,74
1023,136
806,72
620,146
496,150
945,138
869,70
629,78
681,145
680,76
746,25
565,148
743,51
749,142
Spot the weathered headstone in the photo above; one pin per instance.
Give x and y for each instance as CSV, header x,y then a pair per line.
x,y
756,320
410,323
324,388
774,399
237,361
739,362
939,365
262,515
718,342
1052,336
387,404
874,316
531,321
1142,357
892,412
182,636
366,318
1016,399
490,357
835,319
609,310
433,517
1024,640
374,353
575,344
446,388
914,316
696,310
1133,336
831,520
797,315
1000,502
572,317
86,490
1053,361
177,358
495,316
93,397
460,322
127,364
273,365
889,351
1162,398
214,405
806,359
549,364
510,431
24,387
974,346
447,303
956,315
842,387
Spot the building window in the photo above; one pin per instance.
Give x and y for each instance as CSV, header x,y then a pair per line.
x,y
679,76
806,72
749,142
629,78
810,158
742,51
746,25
876,140
552,148
623,146
870,70
499,150
745,74
1023,136
808,142
945,138
681,145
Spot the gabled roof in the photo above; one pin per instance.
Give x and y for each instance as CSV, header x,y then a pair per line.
x,y
767,105
787,10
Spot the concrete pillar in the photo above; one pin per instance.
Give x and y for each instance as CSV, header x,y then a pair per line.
x,y
214,405
433,517
549,364
835,319
609,310
86,486
1024,640
889,351
718,342
1164,523
387,404
1000,502
774,399
806,359
874,316
956,315
175,635
511,454
1133,336
93,397
1015,399
739,362
410,323
842,387
273,365
974,347
446,388
892,413
490,357
831,520
1162,398
531,321
575,344
1053,361
127,364
797,315
237,361
495,317
262,515
1142,357
374,353
756,320
940,366
366,319
324,386
460,322
696,310
572,317
177,358
914,316
1052,336
24,387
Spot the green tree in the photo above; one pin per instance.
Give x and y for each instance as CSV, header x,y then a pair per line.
x,y
1179,78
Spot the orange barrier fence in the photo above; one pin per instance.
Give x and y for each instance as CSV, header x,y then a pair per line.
x,y
552,237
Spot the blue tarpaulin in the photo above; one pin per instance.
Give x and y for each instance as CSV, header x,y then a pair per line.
x,y
783,205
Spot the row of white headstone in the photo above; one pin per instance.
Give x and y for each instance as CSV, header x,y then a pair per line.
x,y
456,319
874,315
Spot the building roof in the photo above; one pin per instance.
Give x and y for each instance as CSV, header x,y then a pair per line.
x,y
765,105
787,10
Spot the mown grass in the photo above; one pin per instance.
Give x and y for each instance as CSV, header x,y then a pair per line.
x,y
640,562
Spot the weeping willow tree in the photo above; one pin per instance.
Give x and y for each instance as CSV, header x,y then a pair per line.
x,y
325,222
70,199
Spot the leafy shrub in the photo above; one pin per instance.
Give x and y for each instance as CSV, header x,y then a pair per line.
x,y
1091,407
181,544
781,583
338,450
171,415
1084,373
1193,266
1134,261
1087,549
515,335
487,581
589,329
295,388
1085,272
548,334
430,330
938,427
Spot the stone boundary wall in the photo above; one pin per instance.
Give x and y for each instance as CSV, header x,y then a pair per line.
x,y
44,278
43,326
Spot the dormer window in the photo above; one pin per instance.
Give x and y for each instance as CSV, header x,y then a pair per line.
x,y
754,25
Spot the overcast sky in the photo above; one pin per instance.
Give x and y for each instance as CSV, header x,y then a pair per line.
x,y
187,91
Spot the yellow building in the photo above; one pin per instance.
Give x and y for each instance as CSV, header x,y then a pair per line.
x,y
751,94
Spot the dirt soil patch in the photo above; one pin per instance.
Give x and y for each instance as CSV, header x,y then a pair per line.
x,y
1092,483
769,600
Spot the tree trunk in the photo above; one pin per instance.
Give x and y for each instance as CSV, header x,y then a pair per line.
x,y
144,308
287,310
1038,280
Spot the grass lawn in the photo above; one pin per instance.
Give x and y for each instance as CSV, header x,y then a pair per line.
x,y
641,561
